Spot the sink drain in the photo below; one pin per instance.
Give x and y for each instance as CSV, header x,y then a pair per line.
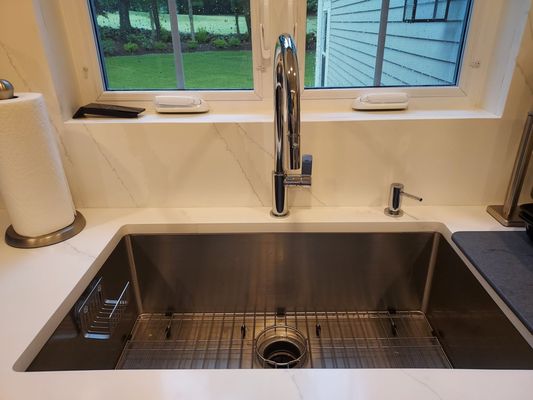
x,y
281,346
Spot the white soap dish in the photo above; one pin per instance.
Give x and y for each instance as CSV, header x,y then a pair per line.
x,y
381,101
180,105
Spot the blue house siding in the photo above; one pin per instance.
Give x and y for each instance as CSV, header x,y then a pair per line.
x,y
415,54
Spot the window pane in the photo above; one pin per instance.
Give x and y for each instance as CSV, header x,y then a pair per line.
x,y
373,43
175,44
442,9
425,9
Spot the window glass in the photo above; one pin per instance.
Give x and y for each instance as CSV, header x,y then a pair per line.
x,y
426,10
174,44
370,43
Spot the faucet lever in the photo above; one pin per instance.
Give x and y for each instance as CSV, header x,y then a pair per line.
x,y
303,179
307,164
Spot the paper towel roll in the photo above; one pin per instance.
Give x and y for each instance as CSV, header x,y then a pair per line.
x,y
32,180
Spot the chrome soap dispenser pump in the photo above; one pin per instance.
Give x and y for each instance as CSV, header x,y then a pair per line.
x,y
395,200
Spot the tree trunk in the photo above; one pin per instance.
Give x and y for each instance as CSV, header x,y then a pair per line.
x,y
191,20
124,15
155,16
237,22
247,18
236,12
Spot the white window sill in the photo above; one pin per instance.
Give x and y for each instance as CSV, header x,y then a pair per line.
x,y
262,117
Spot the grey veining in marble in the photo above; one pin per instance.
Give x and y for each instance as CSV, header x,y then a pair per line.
x,y
505,259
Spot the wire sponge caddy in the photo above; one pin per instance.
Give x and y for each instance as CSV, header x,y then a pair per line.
x,y
98,316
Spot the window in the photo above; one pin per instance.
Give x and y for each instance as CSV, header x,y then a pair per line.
x,y
367,43
206,44
426,10
463,58
174,44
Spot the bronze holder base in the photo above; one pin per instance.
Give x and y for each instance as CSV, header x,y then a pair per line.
x,y
25,242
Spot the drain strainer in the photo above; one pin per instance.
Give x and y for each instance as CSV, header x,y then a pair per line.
x,y
281,346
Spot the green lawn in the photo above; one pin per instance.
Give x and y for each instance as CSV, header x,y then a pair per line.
x,y
203,70
309,80
216,24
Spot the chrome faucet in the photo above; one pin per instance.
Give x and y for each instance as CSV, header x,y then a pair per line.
x,y
287,126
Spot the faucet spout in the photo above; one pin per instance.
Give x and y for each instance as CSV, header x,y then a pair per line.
x,y
287,100
286,125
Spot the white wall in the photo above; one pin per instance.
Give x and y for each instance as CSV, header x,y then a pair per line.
x,y
448,162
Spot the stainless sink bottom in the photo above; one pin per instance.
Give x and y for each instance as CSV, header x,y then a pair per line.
x,y
335,340
186,301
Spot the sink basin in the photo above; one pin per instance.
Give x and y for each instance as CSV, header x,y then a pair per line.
x,y
284,300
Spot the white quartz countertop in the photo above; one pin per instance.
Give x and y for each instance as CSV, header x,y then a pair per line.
x,y
38,287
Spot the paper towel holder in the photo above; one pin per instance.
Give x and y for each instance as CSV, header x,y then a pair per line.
x,y
27,242
6,90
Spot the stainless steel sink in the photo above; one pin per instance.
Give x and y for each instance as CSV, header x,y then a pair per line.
x,y
284,300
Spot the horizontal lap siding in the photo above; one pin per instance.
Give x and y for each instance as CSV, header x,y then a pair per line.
x,y
354,27
423,53
415,53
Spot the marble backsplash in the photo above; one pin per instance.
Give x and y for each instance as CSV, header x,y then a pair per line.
x,y
451,162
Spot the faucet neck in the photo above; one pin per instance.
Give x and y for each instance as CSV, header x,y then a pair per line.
x,y
286,104
287,126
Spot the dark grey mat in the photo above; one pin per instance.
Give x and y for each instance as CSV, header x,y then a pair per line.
x,y
505,259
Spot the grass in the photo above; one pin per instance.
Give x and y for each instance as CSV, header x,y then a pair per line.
x,y
203,70
215,24
309,79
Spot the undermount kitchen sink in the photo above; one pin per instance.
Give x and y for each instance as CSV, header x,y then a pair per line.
x,y
283,300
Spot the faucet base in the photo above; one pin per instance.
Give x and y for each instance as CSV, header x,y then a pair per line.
x,y
390,213
272,214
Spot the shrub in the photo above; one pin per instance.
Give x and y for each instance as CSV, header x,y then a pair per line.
x,y
234,42
131,47
202,36
220,43
185,37
109,47
192,44
142,39
106,32
160,46
134,37
310,41
165,36
147,44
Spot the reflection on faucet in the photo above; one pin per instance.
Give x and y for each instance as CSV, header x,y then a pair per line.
x,y
287,126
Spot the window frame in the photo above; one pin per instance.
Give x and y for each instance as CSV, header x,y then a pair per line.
x,y
414,19
470,85
78,20
266,18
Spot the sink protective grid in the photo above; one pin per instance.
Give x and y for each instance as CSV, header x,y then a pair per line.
x,y
335,340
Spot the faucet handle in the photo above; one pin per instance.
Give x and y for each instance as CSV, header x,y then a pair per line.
x,y
303,179
307,164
